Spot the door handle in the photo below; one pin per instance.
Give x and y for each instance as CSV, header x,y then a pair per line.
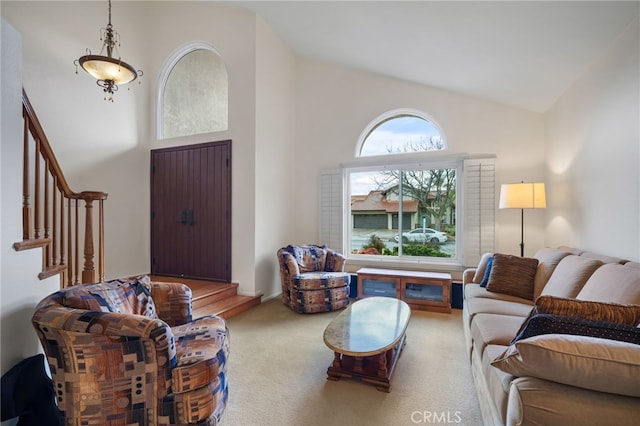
x,y
183,217
191,218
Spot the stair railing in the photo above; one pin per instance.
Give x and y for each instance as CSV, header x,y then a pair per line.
x,y
51,216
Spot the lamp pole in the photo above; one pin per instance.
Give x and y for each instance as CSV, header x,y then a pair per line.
x,y
521,232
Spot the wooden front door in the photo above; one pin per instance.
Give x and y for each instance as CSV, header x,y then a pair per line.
x,y
191,211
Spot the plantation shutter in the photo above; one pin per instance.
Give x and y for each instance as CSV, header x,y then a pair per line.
x,y
331,201
479,209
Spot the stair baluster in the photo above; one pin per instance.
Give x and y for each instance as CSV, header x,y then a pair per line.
x,y
51,219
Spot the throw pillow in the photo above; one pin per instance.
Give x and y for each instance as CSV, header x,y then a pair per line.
x,y
597,311
487,272
480,269
558,324
579,361
512,275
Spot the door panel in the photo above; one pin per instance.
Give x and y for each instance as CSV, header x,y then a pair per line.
x,y
191,211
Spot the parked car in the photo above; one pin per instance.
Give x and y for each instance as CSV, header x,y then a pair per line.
x,y
423,235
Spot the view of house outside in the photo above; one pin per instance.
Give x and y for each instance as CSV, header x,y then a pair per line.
x,y
417,199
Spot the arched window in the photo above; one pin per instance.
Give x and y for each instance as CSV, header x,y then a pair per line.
x,y
408,203
193,93
400,202
399,132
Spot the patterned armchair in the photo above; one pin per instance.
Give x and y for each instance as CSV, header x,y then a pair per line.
x,y
313,278
127,352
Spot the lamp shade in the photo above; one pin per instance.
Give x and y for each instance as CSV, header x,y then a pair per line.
x,y
106,68
524,195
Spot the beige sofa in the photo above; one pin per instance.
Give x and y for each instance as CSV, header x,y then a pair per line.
x,y
553,378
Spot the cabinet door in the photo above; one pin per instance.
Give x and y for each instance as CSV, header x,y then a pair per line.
x,y
191,211
378,285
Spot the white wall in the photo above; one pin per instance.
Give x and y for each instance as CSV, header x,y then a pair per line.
x,y
275,148
593,155
335,105
20,289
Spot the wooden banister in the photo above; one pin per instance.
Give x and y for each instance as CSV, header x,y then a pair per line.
x,y
51,219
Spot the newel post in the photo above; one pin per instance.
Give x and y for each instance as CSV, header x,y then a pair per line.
x,y
88,270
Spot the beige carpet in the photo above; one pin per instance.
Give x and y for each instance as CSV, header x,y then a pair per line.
x,y
278,364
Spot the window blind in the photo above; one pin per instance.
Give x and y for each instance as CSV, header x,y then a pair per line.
x,y
331,207
479,209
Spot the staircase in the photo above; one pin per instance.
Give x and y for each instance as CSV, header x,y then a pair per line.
x,y
214,298
52,216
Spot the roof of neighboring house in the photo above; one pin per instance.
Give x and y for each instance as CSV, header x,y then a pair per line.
x,y
377,201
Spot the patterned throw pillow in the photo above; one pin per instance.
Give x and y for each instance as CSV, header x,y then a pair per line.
x,y
558,324
586,309
512,275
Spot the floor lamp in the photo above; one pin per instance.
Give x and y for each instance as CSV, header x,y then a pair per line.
x,y
523,195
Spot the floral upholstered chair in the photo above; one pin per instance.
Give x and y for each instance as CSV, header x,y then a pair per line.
x,y
127,352
313,278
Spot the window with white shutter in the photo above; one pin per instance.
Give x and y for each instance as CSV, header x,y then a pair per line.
x,y
401,200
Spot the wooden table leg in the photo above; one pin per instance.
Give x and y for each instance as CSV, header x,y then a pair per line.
x,y
382,365
357,368
337,361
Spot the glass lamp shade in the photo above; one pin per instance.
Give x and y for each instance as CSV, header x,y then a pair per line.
x,y
106,68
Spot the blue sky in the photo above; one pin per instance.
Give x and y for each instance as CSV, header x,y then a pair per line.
x,y
395,133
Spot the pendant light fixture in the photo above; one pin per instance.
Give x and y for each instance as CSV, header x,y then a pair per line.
x,y
110,71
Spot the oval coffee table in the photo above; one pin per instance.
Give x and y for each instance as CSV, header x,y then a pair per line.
x,y
367,339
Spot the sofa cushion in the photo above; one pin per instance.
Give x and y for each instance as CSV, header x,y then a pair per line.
x,y
570,276
533,401
474,290
486,305
559,324
132,296
498,382
323,300
572,250
586,362
633,265
493,329
603,258
548,259
512,275
613,283
321,280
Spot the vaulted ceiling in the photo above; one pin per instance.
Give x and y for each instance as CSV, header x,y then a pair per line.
x,y
518,53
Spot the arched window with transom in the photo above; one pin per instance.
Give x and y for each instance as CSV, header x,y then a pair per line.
x,y
193,96
400,201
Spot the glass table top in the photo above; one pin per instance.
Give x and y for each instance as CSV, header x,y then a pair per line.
x,y
368,327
